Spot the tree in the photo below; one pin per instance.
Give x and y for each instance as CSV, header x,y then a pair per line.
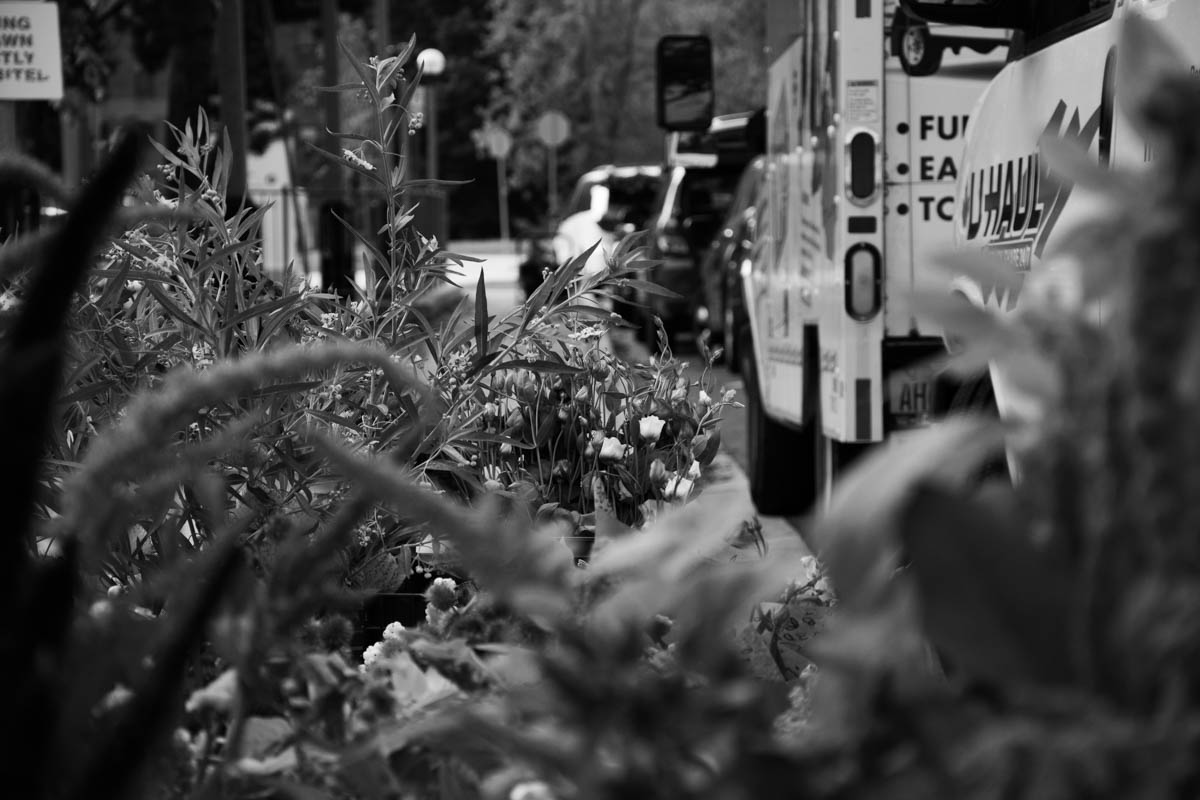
x,y
594,61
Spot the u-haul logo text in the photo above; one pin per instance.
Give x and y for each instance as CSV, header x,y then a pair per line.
x,y
1011,207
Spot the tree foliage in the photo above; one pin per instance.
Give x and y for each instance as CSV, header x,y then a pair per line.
x,y
594,61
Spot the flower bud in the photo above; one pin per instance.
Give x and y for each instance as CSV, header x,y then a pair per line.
x,y
693,472
658,472
612,449
650,428
678,488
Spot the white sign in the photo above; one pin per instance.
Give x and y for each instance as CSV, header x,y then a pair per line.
x,y
553,128
497,140
30,52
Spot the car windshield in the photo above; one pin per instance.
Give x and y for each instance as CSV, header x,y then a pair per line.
x,y
632,198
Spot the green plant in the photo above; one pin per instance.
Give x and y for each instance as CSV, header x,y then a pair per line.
x,y
188,501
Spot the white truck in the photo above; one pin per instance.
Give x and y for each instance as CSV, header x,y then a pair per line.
x,y
863,159
1060,81
877,158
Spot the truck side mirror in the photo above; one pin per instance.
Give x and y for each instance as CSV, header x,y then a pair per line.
x,y
684,92
977,13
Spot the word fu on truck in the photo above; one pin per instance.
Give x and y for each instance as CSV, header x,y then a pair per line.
x,y
891,130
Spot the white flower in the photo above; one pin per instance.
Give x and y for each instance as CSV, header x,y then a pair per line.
x,y
394,631
372,654
650,427
612,449
586,334
678,488
357,160
693,472
704,399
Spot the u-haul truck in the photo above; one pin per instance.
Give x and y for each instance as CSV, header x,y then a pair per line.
x,y
1061,81
863,160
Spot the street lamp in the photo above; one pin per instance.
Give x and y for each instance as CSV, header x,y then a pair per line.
x,y
432,63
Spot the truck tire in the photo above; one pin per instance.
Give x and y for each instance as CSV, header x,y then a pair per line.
x,y
919,53
780,461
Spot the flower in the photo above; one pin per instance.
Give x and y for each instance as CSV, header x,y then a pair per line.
x,y
612,449
394,631
372,653
704,400
650,427
442,594
678,488
493,478
658,472
357,160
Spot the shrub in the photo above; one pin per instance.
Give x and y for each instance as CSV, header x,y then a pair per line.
x,y
204,515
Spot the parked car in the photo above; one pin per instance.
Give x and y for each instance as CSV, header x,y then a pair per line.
x,y
608,202
920,46
720,308
695,198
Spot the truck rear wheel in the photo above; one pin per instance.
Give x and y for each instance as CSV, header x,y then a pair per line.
x,y
780,461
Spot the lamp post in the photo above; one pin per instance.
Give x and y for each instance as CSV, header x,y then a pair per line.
x,y
433,63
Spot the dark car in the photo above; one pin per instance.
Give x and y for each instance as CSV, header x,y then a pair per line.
x,y
920,46
696,196
720,307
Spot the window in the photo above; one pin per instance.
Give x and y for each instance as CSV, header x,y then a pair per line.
x,y
1054,20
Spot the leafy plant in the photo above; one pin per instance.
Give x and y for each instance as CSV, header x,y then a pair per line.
x,y
210,468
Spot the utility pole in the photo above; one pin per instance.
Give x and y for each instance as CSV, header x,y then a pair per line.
x,y
231,79
337,270
330,52
383,27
